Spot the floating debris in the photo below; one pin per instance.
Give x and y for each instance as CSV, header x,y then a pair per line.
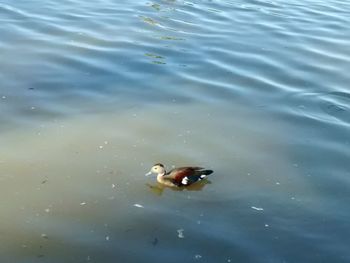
x,y
47,210
149,21
171,38
155,241
107,238
83,203
153,56
197,256
180,233
156,6
158,62
138,205
257,208
114,185
44,236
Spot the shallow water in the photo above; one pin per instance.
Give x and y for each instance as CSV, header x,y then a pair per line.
x,y
92,94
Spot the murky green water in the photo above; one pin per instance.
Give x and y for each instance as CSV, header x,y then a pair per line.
x,y
93,94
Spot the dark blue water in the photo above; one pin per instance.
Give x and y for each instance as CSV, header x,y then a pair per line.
x,y
93,94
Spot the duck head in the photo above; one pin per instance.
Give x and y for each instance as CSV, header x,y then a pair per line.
x,y
158,169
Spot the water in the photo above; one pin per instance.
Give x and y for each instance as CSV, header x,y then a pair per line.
x,y
93,94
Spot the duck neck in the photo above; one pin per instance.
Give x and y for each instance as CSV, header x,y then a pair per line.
x,y
160,177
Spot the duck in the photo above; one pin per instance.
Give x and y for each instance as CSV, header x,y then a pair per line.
x,y
179,177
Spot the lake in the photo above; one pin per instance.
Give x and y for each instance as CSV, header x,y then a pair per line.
x,y
93,94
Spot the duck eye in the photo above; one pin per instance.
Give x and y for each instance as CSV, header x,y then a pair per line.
x,y
155,168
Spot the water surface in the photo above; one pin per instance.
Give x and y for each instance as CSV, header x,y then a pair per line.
x,y
92,94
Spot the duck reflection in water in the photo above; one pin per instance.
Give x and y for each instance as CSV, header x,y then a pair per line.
x,y
159,188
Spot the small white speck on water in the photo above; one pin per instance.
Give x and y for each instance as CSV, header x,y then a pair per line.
x,y
101,146
83,203
3,97
114,186
47,210
257,208
180,233
138,205
293,198
107,238
266,225
32,108
229,260
105,142
197,256
277,183
44,236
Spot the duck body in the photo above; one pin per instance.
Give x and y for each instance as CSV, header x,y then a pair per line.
x,y
179,177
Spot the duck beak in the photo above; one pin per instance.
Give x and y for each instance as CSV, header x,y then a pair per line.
x,y
149,173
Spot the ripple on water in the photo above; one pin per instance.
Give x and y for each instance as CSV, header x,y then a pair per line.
x,y
332,107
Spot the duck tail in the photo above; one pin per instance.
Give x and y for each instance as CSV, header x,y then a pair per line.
x,y
203,174
207,172
198,176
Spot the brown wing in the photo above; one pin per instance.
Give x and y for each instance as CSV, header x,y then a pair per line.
x,y
194,168
176,175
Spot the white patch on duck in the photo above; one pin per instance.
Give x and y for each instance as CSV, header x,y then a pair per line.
x,y
185,180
